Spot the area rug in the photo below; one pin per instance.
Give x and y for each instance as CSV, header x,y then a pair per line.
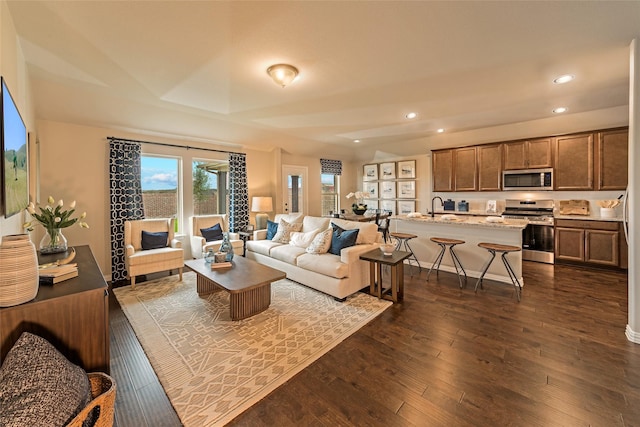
x,y
213,368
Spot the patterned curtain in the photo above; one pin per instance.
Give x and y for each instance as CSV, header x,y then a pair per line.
x,y
125,191
331,167
238,192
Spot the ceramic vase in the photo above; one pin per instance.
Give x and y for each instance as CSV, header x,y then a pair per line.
x,y
18,270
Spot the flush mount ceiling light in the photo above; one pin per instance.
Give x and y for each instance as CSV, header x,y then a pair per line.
x,y
356,141
283,74
411,115
440,130
560,110
566,78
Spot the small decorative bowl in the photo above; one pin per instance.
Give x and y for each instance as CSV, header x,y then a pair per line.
x,y
387,249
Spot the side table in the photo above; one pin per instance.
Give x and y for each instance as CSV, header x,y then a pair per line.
x,y
396,261
244,236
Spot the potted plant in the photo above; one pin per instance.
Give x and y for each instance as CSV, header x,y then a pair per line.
x,y
359,208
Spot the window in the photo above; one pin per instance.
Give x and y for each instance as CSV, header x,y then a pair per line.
x,y
210,191
330,193
160,189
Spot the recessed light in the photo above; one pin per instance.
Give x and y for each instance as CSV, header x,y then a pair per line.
x,y
566,78
411,115
560,110
356,141
440,130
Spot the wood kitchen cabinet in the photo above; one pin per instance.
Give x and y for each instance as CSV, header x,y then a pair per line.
x,y
529,154
72,315
573,169
611,159
465,174
590,242
490,167
442,170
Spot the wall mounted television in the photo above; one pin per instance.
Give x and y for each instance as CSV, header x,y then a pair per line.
x,y
15,159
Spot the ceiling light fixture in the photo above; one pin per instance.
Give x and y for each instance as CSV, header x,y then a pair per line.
x,y
566,78
411,115
440,130
560,110
356,141
282,74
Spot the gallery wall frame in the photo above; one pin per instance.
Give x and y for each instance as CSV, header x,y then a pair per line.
x,y
371,188
388,170
406,189
15,156
407,169
370,173
406,207
388,205
387,190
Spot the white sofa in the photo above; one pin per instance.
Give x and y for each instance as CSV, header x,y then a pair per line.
x,y
336,275
200,245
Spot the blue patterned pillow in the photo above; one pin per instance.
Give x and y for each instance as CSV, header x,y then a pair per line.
x,y
154,240
212,234
272,229
342,238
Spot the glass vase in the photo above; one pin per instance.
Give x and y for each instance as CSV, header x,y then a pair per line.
x,y
209,256
53,242
226,247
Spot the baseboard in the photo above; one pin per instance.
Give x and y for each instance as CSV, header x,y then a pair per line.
x,y
632,336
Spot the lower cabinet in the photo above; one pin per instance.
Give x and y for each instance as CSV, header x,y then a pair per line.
x,y
590,242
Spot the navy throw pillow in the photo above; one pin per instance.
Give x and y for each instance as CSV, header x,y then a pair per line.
x,y
272,229
212,234
342,238
154,240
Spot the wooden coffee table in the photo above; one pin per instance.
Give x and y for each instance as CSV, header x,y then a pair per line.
x,y
248,283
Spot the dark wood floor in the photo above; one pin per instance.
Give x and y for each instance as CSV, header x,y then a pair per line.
x,y
446,357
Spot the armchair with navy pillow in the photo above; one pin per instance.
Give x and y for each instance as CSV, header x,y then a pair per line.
x,y
207,233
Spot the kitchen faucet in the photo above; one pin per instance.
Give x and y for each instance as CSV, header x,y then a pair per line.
x,y
433,213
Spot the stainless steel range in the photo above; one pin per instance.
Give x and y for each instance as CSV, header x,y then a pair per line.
x,y
537,237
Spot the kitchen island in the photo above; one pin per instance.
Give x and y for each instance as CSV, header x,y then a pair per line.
x,y
472,230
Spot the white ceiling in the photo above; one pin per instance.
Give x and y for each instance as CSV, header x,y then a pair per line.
x,y
198,68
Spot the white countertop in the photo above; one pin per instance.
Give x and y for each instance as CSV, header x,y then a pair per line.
x,y
587,217
556,216
472,221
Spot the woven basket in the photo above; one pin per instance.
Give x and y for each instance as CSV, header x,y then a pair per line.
x,y
103,391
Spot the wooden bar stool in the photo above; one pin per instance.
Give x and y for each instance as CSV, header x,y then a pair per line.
x,y
445,243
403,244
504,250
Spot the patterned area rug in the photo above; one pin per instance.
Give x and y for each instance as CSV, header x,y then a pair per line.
x,y
213,368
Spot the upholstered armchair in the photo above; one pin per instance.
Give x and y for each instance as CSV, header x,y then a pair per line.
x,y
147,250
211,240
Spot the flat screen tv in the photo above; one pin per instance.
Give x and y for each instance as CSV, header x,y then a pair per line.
x,y
15,161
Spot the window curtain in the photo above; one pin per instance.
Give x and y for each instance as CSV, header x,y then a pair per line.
x,y
331,167
238,192
125,191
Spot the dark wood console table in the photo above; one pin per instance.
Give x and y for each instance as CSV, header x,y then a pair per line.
x,y
72,315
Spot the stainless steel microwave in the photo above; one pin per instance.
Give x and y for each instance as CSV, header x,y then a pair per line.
x,y
527,180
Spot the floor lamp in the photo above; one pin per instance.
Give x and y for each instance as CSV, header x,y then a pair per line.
x,y
261,205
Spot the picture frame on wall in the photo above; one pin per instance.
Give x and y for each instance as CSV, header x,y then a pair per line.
x,y
371,188
388,170
407,169
388,205
406,207
388,190
406,189
370,173
371,204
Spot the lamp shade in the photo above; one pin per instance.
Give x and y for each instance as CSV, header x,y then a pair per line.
x,y
261,204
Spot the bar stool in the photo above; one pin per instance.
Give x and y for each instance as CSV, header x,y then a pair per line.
x,y
445,243
403,244
504,250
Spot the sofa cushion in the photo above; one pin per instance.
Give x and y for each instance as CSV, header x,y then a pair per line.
x,y
154,256
302,239
321,243
368,230
284,231
39,386
326,264
154,240
262,246
310,223
290,218
212,233
342,238
286,253
272,229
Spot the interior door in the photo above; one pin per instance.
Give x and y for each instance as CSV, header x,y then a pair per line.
x,y
294,191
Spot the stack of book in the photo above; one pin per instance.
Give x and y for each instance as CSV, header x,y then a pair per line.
x,y
57,273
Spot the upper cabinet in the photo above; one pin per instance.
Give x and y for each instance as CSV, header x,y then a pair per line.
x,y
573,169
465,169
611,159
442,170
531,154
489,167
